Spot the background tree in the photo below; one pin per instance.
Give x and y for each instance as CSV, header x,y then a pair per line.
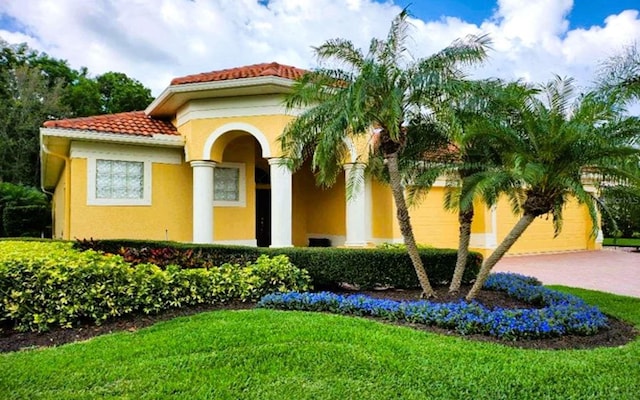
x,y
383,90
15,196
35,87
548,147
119,93
27,103
619,76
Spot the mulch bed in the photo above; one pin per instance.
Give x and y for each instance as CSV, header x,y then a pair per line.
x,y
618,334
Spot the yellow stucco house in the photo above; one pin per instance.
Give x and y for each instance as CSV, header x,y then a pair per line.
x,y
202,164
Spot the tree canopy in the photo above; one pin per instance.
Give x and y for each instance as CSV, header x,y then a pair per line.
x,y
35,87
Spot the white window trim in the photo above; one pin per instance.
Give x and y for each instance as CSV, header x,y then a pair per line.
x,y
92,200
242,186
105,151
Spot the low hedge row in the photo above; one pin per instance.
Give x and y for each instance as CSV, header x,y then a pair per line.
x,y
366,268
28,221
561,314
43,284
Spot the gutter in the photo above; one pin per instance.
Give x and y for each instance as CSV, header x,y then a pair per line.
x,y
67,190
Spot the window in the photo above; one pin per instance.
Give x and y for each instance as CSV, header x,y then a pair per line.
x,y
226,184
120,175
119,179
229,185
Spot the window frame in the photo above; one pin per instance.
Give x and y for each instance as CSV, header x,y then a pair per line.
x,y
242,185
92,200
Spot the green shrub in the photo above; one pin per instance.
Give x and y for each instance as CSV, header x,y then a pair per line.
x,y
164,253
12,195
368,268
327,267
28,221
45,284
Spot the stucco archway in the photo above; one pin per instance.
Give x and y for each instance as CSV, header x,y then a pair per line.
x,y
237,126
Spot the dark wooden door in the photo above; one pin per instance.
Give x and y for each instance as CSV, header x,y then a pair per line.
x,y
263,217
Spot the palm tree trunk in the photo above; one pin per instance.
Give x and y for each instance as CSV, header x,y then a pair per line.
x,y
405,224
465,218
499,252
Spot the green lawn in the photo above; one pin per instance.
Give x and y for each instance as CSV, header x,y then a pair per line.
x,y
630,242
264,354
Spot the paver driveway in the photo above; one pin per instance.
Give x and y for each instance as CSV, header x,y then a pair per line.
x,y
614,271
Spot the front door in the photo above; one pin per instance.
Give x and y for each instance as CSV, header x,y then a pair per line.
x,y
263,217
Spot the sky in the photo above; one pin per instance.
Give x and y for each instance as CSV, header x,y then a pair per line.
x,y
154,41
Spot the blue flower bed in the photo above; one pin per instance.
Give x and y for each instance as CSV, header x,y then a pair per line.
x,y
561,313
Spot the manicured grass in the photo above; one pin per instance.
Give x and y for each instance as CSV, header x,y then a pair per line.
x,y
265,354
626,242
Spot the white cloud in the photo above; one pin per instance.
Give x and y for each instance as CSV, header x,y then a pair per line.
x,y
155,40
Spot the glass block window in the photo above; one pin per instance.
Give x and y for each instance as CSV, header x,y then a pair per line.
x,y
226,184
119,179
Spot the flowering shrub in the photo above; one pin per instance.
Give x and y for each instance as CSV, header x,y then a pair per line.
x,y
562,314
48,283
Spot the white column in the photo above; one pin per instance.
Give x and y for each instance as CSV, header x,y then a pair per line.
x,y
203,201
281,206
356,205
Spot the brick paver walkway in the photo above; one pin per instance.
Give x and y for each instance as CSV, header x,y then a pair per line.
x,y
608,270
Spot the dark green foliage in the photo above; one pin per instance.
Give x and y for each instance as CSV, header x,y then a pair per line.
x,y
328,267
35,87
28,221
16,196
119,93
623,206
368,268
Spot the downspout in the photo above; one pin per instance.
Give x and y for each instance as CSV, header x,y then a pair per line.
x,y
67,189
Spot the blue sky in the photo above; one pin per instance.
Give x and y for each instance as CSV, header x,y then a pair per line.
x,y
156,40
585,13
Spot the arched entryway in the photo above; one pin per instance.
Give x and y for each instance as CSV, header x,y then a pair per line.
x,y
233,154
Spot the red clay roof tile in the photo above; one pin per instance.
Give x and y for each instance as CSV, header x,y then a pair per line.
x,y
249,71
129,123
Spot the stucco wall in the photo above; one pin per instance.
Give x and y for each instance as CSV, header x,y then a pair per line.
x,y
168,217
539,236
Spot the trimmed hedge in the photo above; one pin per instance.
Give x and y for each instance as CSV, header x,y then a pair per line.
x,y
43,284
28,221
328,267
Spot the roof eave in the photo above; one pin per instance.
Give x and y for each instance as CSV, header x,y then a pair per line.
x,y
122,138
174,96
51,167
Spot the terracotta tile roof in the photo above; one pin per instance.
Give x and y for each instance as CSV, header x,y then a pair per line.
x,y
446,153
249,71
128,123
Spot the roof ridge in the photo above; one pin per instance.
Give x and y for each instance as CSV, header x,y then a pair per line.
x,y
248,71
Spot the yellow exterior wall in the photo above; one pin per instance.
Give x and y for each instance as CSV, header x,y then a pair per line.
x,y
169,216
432,224
197,132
302,192
316,210
238,223
58,207
326,213
382,212
539,236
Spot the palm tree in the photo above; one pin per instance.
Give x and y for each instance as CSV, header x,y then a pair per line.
x,y
383,89
548,146
475,177
464,161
